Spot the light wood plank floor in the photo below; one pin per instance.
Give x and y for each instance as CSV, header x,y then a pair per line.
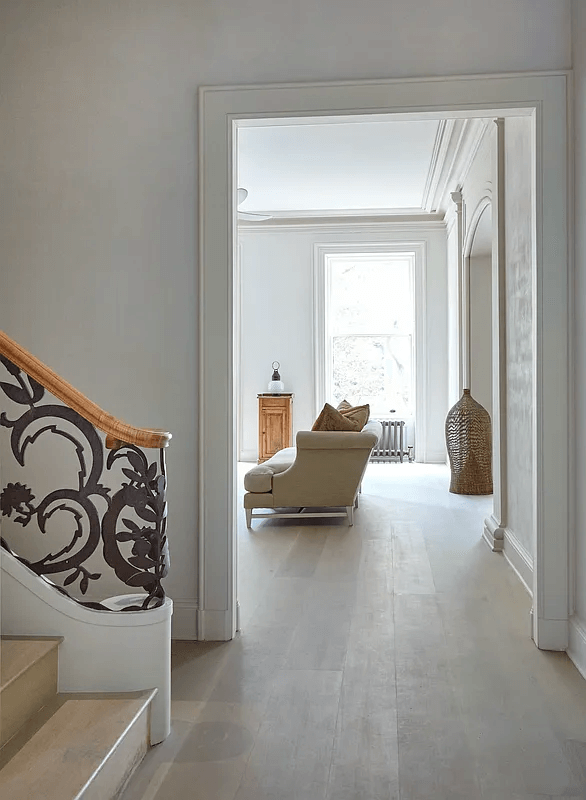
x,y
387,661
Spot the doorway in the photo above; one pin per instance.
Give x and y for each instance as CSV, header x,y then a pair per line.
x,y
541,95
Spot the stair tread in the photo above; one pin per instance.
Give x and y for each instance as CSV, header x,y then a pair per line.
x,y
18,654
62,756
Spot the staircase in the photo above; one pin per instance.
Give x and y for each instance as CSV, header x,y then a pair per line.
x,y
63,746
85,651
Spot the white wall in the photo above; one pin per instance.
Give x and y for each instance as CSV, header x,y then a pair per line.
x,y
481,330
98,172
477,190
519,314
277,292
578,629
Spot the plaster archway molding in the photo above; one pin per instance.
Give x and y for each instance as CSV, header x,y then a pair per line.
x,y
494,525
471,229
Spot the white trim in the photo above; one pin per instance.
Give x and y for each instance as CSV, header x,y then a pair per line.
x,y
577,644
293,116
184,622
499,323
434,456
572,487
493,534
553,633
364,225
238,345
441,97
438,157
101,651
326,213
481,206
460,308
519,559
552,401
215,624
465,138
416,250
474,139
65,606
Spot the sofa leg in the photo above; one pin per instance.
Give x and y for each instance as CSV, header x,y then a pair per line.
x,y
248,517
350,512
356,502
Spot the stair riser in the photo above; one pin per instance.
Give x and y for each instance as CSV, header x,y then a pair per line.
x,y
28,693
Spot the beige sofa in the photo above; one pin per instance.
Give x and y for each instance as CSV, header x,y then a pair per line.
x,y
324,470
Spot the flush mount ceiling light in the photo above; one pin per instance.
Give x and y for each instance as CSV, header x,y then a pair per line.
x,y
249,215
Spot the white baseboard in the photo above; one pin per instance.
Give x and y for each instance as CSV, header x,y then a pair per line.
x,y
214,625
248,456
184,621
432,457
493,534
551,634
577,644
519,559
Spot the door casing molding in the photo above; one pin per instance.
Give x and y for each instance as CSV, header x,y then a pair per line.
x,y
221,110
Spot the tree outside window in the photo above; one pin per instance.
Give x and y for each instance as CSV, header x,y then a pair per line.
x,y
371,324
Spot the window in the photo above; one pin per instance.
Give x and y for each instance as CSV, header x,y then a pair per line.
x,y
370,331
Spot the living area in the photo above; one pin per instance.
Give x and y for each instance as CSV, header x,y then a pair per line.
x,y
347,255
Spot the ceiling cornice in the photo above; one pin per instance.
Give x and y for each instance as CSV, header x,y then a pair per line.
x,y
330,213
466,138
414,223
438,157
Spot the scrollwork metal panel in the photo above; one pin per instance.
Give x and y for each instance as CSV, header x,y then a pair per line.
x,y
129,520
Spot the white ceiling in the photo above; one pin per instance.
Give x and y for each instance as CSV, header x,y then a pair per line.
x,y
351,166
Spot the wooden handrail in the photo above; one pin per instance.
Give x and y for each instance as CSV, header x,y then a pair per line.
x,y
117,432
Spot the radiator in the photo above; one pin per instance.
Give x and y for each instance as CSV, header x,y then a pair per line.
x,y
392,444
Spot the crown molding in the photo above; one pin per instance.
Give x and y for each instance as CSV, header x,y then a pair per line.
x,y
467,136
479,128
419,222
438,157
444,180
329,213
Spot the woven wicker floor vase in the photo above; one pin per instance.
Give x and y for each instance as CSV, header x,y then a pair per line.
x,y
469,443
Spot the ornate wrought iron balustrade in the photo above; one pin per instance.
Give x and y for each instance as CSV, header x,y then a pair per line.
x,y
128,520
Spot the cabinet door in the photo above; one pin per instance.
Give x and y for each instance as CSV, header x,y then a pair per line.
x,y
275,427
274,432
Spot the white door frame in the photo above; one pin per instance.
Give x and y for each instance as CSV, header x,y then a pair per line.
x,y
497,96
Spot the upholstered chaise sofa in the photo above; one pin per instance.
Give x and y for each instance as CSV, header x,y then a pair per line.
x,y
324,471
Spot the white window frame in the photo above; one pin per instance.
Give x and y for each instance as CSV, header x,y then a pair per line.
x,y
323,254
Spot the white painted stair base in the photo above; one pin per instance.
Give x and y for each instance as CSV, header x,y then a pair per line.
x,y
101,651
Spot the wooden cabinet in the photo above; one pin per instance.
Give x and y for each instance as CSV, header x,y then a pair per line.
x,y
275,424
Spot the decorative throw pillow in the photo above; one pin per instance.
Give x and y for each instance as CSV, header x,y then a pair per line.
x,y
357,413
330,419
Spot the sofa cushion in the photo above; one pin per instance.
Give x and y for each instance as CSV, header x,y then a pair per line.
x,y
330,419
260,478
359,414
350,418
